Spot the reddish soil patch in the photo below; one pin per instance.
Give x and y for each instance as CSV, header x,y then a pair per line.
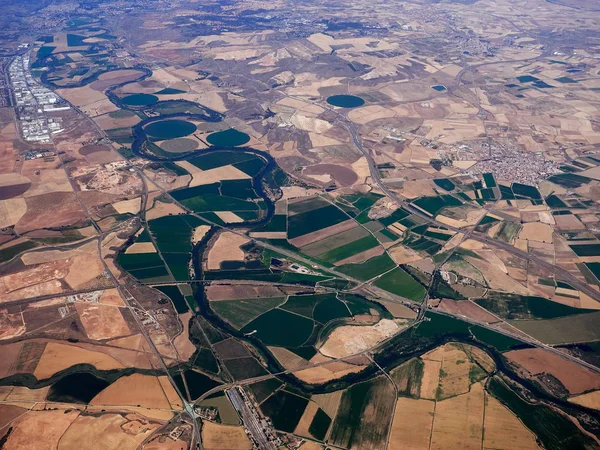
x,y
223,292
8,413
342,175
50,210
575,378
467,309
89,149
13,191
315,236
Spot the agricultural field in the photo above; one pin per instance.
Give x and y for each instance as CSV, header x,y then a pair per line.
x,y
360,225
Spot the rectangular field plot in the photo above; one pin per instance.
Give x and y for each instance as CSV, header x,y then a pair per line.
x,y
368,269
411,428
348,250
334,241
353,427
314,220
284,409
401,283
564,330
243,311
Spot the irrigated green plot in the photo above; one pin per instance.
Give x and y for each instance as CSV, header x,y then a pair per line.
x,y
176,297
314,220
280,328
305,304
348,250
564,330
368,269
241,312
284,409
512,306
330,309
434,205
320,425
227,412
401,283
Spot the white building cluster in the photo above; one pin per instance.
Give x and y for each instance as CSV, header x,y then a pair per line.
x,y
32,101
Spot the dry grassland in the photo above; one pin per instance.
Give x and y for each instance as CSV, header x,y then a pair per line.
x,y
202,177
134,390
11,325
326,372
107,432
458,421
536,231
161,209
57,357
589,400
28,428
183,345
288,359
23,394
411,428
141,247
502,429
199,233
226,248
224,437
306,419
11,211
102,321
328,402
431,378
128,206
229,216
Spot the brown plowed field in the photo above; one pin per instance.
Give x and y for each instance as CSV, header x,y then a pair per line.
x,y
309,238
224,437
575,378
342,175
240,291
134,390
49,424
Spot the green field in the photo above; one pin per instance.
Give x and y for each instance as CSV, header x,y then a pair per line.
x,y
169,129
348,250
284,409
401,283
316,219
320,425
564,330
176,297
139,99
241,312
512,306
434,205
280,328
227,138
368,269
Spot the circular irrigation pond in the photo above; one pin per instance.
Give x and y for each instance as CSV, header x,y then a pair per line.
x,y
227,138
345,101
169,129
